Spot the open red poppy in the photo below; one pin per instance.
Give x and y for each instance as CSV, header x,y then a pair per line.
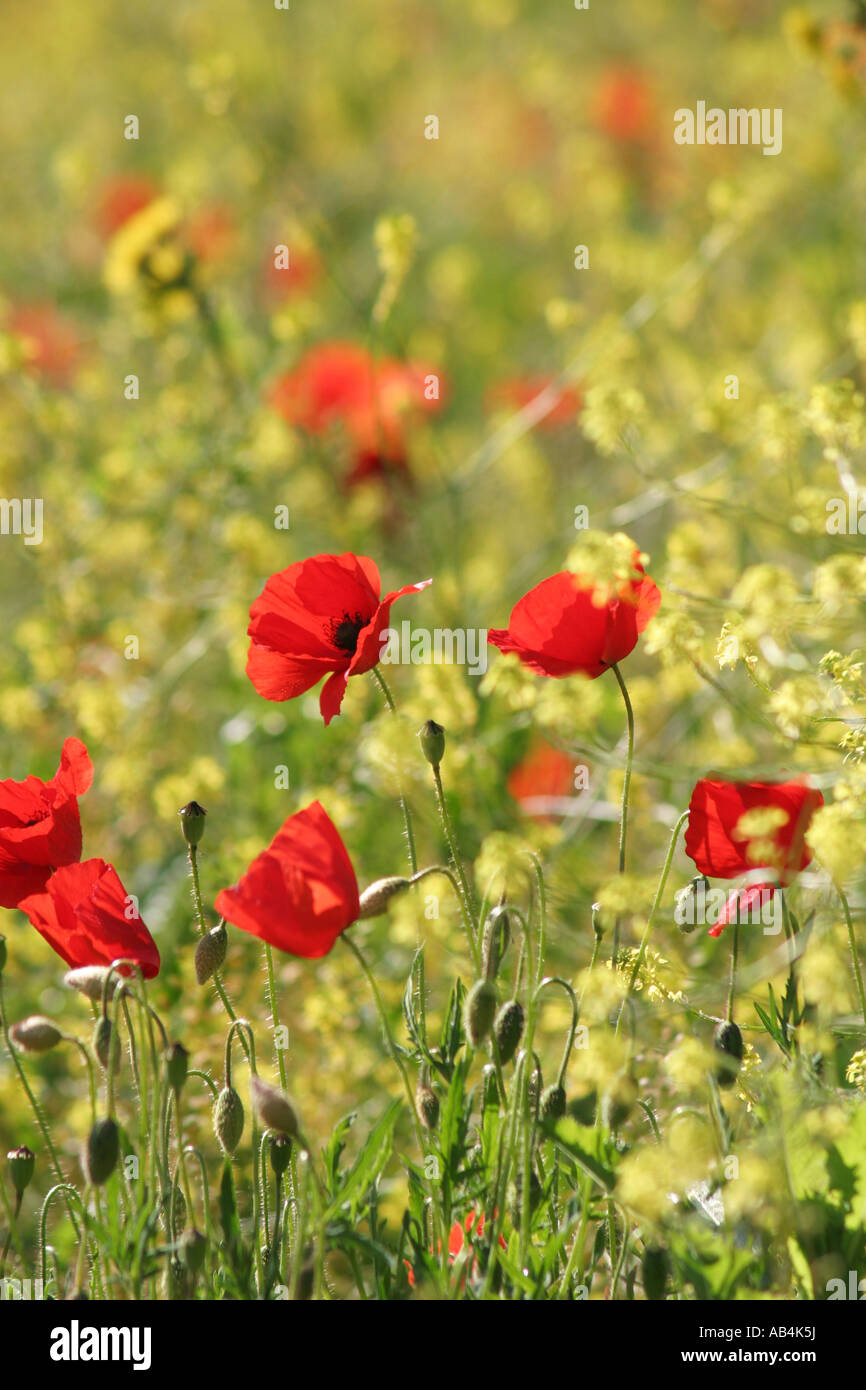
x,y
558,629
301,892
320,617
40,828
87,916
721,847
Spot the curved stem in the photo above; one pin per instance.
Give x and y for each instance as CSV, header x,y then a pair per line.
x,y
404,805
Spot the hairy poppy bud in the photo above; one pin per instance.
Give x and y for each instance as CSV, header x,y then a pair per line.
x,y
273,1109
176,1066
375,899
228,1119
552,1105
210,953
2,953
101,1152
281,1152
654,1271
479,1011
427,1102
89,980
432,737
105,1043
691,901
728,1042
495,939
192,817
36,1033
193,1248
21,1165
508,1029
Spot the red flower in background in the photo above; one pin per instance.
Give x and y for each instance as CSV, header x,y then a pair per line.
x,y
121,197
720,848
456,1241
517,393
371,400
320,617
302,272
301,892
558,628
88,918
50,345
623,106
40,828
543,777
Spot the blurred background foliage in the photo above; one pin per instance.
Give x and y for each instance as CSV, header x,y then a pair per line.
x,y
307,128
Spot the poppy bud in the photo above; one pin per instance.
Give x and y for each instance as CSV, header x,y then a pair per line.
x,y
495,939
228,1119
432,737
2,953
21,1165
552,1106
376,897
489,1087
728,1042
89,980
479,1011
508,1028
36,1033
192,818
654,1271
427,1102
210,953
273,1109
102,1152
281,1152
176,1066
691,904
105,1043
193,1248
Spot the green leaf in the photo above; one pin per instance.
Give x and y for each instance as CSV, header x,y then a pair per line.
x,y
368,1165
575,1139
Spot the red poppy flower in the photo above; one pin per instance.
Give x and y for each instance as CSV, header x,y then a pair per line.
x,y
120,198
301,892
744,905
87,916
342,385
302,272
623,106
456,1242
50,346
558,628
542,779
40,828
720,848
320,617
519,391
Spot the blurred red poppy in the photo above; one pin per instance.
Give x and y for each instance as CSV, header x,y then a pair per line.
x,y
517,392
721,848
542,780
341,385
121,197
40,828
456,1242
559,628
50,345
623,105
320,617
302,272
88,918
301,892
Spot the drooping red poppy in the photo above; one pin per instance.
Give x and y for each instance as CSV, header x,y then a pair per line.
x,y
720,848
623,106
40,828
301,892
88,918
559,628
342,386
517,392
51,347
320,617
542,780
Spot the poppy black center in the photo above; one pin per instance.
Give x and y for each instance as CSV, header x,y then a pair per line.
x,y
344,631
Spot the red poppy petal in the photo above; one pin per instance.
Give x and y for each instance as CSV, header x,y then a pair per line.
x,y
277,676
74,776
331,695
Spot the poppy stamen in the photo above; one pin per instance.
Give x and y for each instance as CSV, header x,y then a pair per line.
x,y
343,632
